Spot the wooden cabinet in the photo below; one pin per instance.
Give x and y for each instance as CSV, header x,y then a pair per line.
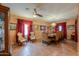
x,y
4,41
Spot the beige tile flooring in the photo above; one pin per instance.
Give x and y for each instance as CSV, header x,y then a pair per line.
x,y
67,48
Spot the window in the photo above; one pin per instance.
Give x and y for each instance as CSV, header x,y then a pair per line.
x,y
26,29
60,28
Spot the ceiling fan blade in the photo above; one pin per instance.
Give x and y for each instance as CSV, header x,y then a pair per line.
x,y
35,11
39,15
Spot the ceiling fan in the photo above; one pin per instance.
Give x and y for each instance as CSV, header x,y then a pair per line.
x,y
36,13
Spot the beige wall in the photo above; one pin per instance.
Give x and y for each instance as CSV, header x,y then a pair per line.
x,y
69,32
68,22
38,34
12,33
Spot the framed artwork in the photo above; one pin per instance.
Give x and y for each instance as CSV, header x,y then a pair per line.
x,y
71,27
12,26
43,28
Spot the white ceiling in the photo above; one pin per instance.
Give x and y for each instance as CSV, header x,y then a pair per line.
x,y
50,11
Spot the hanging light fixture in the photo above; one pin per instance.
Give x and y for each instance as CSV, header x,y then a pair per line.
x,y
53,24
34,15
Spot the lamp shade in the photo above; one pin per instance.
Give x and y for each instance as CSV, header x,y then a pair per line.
x,y
53,24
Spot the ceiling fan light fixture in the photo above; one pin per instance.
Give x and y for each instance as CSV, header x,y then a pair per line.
x,y
53,24
34,15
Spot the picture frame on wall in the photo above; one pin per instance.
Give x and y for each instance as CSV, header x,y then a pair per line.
x,y
43,28
71,27
12,26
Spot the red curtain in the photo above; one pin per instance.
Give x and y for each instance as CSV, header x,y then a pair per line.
x,y
29,23
20,27
76,38
64,29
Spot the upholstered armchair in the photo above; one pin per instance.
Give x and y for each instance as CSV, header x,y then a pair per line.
x,y
21,39
32,36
